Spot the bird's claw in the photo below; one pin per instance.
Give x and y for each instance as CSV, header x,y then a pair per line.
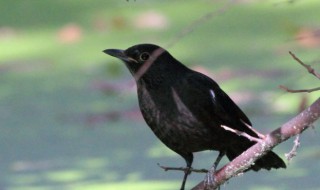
x,y
209,179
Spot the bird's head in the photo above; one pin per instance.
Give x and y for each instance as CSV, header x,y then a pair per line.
x,y
143,58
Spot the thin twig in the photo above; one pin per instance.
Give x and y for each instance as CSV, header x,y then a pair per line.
x,y
187,30
196,23
155,54
298,91
260,135
308,67
183,169
310,70
243,134
293,151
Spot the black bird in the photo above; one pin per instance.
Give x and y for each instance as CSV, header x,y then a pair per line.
x,y
186,109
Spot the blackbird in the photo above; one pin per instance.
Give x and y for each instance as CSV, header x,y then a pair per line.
x,y
186,109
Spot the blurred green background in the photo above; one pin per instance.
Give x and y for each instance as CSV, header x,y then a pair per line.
x,y
69,118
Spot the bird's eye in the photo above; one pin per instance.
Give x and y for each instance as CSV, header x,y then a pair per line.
x,y
144,56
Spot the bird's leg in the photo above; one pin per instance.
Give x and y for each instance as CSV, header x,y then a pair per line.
x,y
189,160
209,179
186,173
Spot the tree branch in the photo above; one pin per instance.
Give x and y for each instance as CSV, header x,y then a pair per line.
x,y
293,127
308,67
293,151
240,133
185,31
310,70
298,91
183,169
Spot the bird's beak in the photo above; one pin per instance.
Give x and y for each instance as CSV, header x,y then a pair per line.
x,y
120,54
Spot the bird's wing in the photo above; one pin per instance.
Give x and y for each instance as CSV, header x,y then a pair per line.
x,y
204,92
230,107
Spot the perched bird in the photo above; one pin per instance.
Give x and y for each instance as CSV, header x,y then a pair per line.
x,y
186,109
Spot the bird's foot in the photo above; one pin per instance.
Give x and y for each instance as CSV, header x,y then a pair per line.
x,y
186,173
209,180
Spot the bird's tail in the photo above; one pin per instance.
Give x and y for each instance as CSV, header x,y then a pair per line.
x,y
268,161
